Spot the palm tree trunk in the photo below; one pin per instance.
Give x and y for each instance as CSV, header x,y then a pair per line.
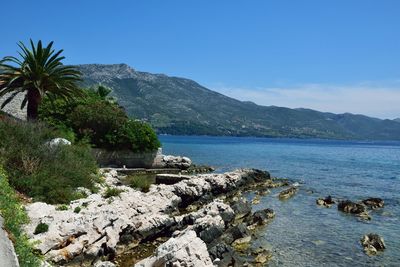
x,y
34,99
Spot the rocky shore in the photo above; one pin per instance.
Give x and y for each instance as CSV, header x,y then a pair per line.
x,y
205,219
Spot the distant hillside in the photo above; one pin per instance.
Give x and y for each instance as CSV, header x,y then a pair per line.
x,y
181,106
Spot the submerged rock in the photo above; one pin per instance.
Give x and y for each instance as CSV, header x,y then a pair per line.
x,y
242,244
372,243
326,202
374,203
288,193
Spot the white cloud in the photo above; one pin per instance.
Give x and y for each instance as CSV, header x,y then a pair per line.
x,y
365,98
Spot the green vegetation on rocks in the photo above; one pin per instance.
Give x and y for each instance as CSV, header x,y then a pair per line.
x,y
14,217
112,192
41,228
97,119
43,172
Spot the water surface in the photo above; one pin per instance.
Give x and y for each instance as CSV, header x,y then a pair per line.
x,y
303,234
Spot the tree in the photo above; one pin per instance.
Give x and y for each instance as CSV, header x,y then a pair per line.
x,y
39,72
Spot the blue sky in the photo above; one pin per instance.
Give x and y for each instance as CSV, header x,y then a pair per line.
x,y
338,56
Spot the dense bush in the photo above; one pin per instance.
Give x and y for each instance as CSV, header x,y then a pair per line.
x,y
137,136
97,118
49,174
99,122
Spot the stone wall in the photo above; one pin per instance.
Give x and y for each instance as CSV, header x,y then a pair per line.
x,y
128,159
14,107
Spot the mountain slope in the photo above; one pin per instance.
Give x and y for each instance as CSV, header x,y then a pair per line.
x,y
181,106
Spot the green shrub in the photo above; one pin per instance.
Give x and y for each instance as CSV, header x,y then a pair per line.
x,y
141,182
99,122
14,216
62,207
137,136
97,119
44,173
112,192
77,209
41,228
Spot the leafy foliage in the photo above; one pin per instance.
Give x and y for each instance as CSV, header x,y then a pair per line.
x,y
137,136
98,120
38,72
41,228
112,192
49,174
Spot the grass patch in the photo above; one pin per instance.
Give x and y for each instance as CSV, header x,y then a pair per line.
x,y
141,181
49,174
112,192
14,216
77,209
62,207
41,228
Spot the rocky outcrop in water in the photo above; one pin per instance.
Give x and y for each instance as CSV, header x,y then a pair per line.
x,y
360,210
372,243
374,203
104,227
288,193
326,202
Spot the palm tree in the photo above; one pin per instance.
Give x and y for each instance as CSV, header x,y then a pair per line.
x,y
39,72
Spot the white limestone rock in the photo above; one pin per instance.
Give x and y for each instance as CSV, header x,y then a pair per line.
x,y
184,250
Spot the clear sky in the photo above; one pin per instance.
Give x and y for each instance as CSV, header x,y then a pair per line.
x,y
338,56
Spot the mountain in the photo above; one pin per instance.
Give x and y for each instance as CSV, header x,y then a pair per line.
x,y
397,120
181,106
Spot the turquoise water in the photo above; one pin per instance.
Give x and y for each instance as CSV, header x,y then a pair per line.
x,y
304,234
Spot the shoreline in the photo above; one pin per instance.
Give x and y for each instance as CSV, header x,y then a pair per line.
x,y
208,204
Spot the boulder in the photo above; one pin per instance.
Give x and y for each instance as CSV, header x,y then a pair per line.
x,y
372,243
58,142
242,208
262,217
7,254
178,162
184,250
374,203
104,264
235,232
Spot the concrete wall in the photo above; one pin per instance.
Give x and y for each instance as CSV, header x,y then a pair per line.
x,y
130,159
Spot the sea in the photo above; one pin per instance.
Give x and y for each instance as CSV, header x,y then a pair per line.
x,y
302,233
